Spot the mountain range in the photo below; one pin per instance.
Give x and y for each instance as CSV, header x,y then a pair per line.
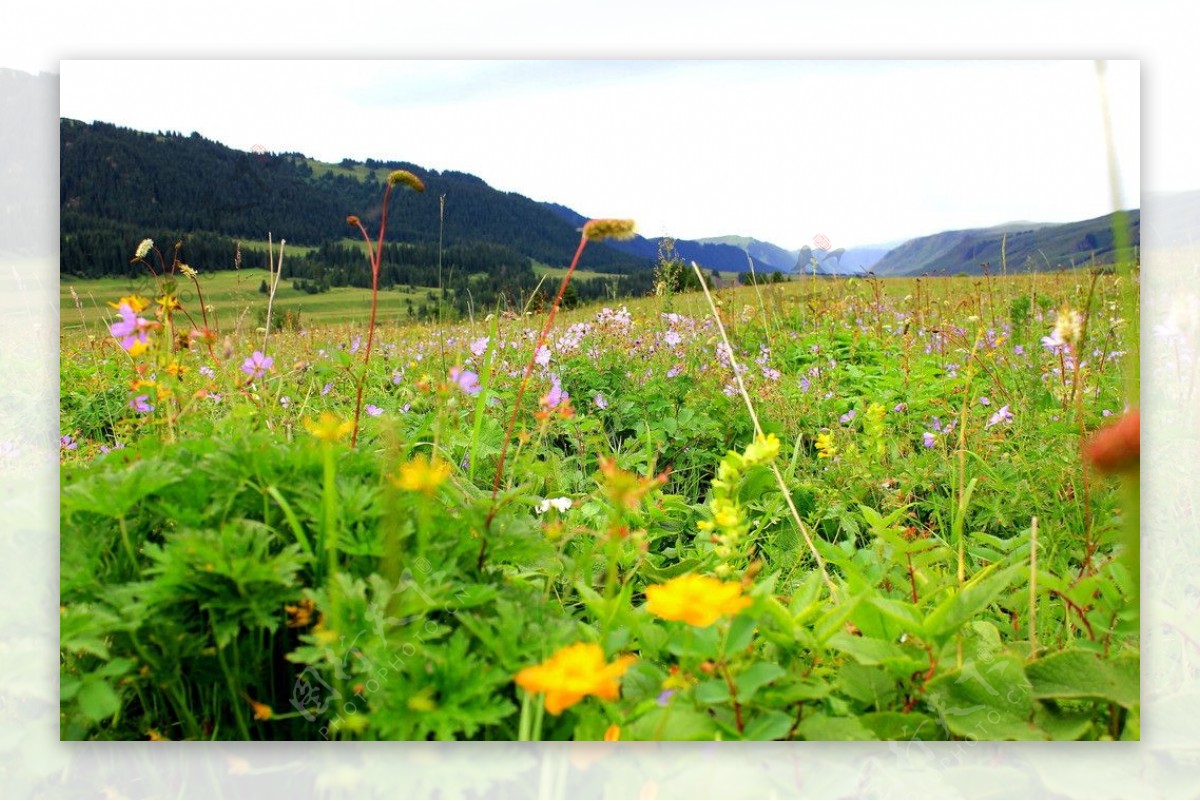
x,y
117,185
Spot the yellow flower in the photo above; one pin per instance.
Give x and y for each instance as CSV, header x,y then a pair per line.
x,y
612,734
329,428
599,230
420,474
261,711
762,450
696,600
825,447
138,348
572,673
188,271
168,302
135,302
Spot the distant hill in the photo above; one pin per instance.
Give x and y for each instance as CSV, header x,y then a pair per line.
x,y
765,253
1022,246
118,185
709,254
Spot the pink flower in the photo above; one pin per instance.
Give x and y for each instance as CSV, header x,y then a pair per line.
x,y
257,365
467,380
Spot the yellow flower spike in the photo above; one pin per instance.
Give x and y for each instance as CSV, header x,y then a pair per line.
x,y
188,271
420,474
572,673
825,446
762,450
599,230
329,428
407,178
696,600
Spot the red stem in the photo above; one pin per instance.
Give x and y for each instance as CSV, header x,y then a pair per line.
x,y
512,422
374,257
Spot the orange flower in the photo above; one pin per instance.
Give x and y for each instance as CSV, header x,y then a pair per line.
x,y
696,600
612,734
572,673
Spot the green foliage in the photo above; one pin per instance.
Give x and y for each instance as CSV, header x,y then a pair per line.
x,y
233,569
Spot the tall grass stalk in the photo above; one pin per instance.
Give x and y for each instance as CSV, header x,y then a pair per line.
x,y
375,255
273,273
758,430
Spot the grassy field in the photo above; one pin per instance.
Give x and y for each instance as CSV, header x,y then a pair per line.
x,y
237,301
291,541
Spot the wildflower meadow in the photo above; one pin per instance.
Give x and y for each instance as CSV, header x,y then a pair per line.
x,y
822,509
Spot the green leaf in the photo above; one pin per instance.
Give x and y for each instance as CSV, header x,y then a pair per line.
x,y
1063,724
772,725
741,630
986,700
753,678
112,493
871,651
901,726
714,691
872,685
822,727
1078,674
97,700
832,621
673,722
965,603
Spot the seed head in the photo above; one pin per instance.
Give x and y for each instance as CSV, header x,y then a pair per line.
x,y
407,178
188,271
143,248
352,220
599,230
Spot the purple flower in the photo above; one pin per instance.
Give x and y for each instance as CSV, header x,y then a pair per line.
x,y
131,329
207,372
1003,415
936,425
325,389
900,407
664,697
600,401
556,395
804,384
467,380
928,440
397,377
543,356
354,345
256,365
285,401
983,401
848,416
373,410
66,443
139,404
479,346
1019,350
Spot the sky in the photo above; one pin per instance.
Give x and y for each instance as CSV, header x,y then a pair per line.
x,y
853,152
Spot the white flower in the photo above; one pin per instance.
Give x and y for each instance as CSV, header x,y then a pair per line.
x,y
561,504
143,248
